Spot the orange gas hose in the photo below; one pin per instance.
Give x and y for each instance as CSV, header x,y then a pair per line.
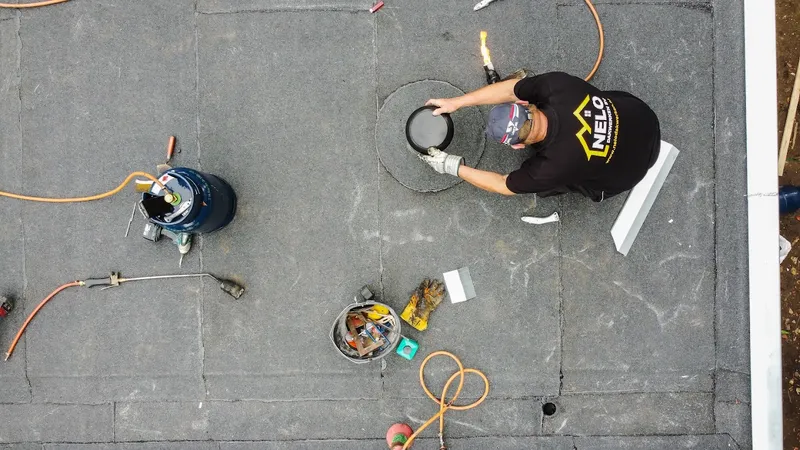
x,y
31,5
33,314
600,32
443,405
90,198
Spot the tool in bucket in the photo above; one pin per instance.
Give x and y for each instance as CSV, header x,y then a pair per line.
x,y
365,330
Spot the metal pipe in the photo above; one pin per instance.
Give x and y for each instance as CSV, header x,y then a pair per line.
x,y
231,288
165,277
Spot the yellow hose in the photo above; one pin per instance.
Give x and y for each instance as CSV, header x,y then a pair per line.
x,y
443,405
31,5
86,199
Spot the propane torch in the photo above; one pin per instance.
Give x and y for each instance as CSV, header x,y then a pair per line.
x,y
491,75
230,287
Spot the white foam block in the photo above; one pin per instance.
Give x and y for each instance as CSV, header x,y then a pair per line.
x,y
459,285
641,198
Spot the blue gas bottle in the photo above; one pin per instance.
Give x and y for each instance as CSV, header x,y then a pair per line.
x,y
203,202
789,199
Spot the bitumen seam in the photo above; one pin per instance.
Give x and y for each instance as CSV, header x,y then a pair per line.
x,y
114,421
714,335
561,315
700,5
18,23
571,439
289,9
201,305
378,168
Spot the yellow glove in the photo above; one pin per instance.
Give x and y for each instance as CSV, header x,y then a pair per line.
x,y
424,300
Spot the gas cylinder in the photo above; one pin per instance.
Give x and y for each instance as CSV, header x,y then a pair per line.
x,y
202,202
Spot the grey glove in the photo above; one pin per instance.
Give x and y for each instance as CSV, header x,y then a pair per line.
x,y
442,162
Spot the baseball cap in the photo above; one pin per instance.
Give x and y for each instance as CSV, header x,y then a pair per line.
x,y
505,122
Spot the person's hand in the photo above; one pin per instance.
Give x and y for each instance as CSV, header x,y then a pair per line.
x,y
442,162
443,105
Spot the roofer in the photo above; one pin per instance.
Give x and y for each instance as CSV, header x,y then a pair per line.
x,y
596,143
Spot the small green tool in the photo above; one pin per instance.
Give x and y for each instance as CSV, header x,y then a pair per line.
x,y
407,348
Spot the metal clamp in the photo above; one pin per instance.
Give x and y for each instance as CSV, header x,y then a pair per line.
x,y
111,281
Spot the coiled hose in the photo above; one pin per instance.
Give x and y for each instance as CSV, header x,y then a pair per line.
x,y
444,405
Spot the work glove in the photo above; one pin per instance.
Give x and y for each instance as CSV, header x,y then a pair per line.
x,y
424,300
442,162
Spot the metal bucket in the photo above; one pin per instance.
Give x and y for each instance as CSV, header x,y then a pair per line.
x,y
207,202
339,330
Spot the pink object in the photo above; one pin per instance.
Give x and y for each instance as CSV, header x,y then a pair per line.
x,y
397,435
376,6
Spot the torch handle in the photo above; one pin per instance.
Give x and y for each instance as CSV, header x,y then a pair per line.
x,y
491,75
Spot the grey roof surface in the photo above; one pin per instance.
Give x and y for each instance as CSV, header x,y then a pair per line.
x,y
281,98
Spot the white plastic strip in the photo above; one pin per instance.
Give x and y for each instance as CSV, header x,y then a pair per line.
x,y
459,285
762,213
454,287
641,198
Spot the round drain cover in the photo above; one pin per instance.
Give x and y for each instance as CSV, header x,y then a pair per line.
x,y
424,130
394,146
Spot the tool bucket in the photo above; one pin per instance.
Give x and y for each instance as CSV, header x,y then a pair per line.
x,y
206,202
339,331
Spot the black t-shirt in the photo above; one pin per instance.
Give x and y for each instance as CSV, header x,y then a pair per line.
x,y
598,143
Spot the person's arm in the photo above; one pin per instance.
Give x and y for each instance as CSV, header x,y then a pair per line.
x,y
488,181
493,94
454,165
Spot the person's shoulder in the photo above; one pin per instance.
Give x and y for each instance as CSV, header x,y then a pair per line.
x,y
621,94
557,75
627,101
543,84
552,82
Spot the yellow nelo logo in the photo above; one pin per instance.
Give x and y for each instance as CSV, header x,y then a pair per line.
x,y
598,148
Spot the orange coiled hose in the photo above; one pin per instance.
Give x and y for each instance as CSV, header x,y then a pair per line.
x,y
443,405
33,314
86,199
601,34
31,5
